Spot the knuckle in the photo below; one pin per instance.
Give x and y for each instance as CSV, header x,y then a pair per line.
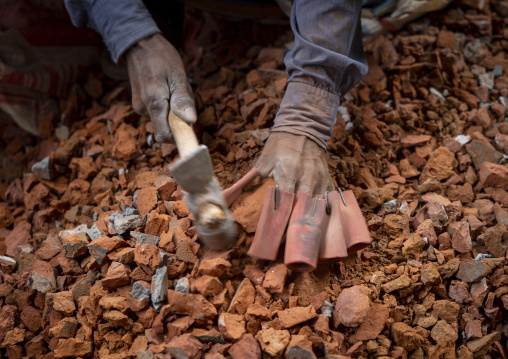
x,y
147,97
154,93
155,106
289,164
323,173
163,137
180,87
138,107
179,78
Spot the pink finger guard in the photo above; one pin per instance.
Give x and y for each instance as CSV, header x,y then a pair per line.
x,y
347,230
235,190
272,224
305,232
321,228
334,248
356,232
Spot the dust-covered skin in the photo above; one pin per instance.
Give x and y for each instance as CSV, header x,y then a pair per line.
x,y
158,80
296,163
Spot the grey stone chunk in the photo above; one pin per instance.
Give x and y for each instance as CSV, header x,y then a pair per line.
x,y
327,308
139,292
160,285
165,259
43,169
498,70
42,277
135,199
486,80
481,256
183,285
114,216
143,238
94,232
97,252
157,306
41,283
128,211
123,224
471,48
62,132
477,71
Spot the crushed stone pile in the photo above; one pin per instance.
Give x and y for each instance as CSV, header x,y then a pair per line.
x,y
99,256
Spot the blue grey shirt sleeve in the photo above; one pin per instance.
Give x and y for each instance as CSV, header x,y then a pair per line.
x,y
326,61
122,23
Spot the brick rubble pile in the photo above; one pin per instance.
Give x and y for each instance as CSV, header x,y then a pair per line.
x,y
99,256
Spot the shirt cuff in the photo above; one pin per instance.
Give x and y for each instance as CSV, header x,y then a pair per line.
x,y
122,24
308,111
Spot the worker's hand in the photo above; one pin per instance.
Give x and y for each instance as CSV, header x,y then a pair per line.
x,y
158,80
296,163
316,221
298,206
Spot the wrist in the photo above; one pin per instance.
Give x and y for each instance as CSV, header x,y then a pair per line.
x,y
145,44
308,111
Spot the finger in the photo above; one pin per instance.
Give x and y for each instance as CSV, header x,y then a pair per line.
x,y
265,162
333,246
156,101
309,177
264,165
306,226
286,173
281,159
182,100
328,183
272,224
316,177
324,181
236,189
137,104
330,186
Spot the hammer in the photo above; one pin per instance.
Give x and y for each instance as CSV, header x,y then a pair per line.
x,y
195,175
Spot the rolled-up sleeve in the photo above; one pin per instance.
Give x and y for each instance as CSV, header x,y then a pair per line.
x,y
326,61
122,23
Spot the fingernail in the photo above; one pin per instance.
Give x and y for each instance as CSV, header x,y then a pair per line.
x,y
190,115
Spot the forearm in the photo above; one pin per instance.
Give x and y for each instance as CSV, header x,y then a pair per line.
x,y
326,61
122,23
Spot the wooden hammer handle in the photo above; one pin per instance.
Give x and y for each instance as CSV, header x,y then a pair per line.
x,y
185,138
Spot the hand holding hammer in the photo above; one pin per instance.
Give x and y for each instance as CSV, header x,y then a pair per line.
x,y
195,175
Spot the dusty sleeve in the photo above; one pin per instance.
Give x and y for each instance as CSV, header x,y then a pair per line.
x,y
122,23
326,61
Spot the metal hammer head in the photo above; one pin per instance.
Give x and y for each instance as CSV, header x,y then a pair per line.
x,y
195,175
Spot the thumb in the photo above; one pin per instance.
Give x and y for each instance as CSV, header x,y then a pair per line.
x,y
182,102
